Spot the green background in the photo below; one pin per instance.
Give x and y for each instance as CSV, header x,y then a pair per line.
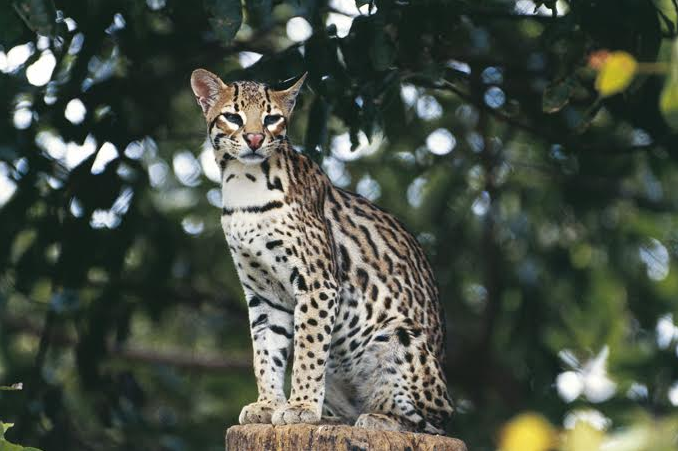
x,y
550,224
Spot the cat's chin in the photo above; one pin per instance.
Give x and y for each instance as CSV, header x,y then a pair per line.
x,y
251,158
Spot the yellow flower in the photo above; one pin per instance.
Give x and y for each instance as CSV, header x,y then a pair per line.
x,y
582,437
616,73
527,432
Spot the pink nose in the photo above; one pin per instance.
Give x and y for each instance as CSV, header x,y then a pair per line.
x,y
254,140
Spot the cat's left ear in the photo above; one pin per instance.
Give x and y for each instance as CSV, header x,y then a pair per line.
x,y
288,97
206,87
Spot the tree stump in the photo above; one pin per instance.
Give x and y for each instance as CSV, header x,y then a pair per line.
x,y
265,437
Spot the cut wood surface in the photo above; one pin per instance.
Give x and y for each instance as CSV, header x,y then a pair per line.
x,y
265,437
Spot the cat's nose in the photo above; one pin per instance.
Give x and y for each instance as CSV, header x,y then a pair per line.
x,y
254,140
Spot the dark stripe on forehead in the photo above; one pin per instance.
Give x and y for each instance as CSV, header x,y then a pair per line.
x,y
268,99
235,96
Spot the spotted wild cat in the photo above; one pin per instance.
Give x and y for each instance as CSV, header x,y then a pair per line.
x,y
329,278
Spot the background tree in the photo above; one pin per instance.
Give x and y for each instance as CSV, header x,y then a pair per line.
x,y
546,209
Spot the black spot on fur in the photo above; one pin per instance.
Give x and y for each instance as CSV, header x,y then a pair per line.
x,y
403,336
272,244
345,259
301,282
362,278
261,319
280,331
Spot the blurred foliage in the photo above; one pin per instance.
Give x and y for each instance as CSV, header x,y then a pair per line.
x,y
8,446
547,210
531,432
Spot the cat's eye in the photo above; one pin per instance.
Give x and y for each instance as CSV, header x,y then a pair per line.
x,y
271,119
233,118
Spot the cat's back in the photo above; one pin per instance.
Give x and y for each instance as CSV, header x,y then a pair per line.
x,y
381,265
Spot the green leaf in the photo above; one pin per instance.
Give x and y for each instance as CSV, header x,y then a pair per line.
x,y
8,153
382,50
259,12
39,15
584,119
227,17
668,102
8,446
64,301
4,427
557,95
10,27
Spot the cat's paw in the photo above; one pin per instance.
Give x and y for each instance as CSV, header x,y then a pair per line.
x,y
257,412
293,413
379,422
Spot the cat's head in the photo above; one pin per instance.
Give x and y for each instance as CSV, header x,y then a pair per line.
x,y
244,119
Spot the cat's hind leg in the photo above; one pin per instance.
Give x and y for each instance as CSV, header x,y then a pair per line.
x,y
338,407
404,388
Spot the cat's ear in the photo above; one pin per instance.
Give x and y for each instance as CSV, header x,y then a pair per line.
x,y
288,97
206,87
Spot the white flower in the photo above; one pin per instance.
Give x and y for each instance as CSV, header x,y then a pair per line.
x,y
590,380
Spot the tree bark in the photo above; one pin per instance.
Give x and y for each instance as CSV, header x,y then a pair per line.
x,y
265,437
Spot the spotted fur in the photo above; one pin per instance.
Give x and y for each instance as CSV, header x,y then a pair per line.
x,y
329,279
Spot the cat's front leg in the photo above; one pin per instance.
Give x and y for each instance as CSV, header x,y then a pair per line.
x,y
271,329
314,316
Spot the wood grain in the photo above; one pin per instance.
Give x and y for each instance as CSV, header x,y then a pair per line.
x,y
265,437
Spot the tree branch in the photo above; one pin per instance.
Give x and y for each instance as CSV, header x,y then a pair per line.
x,y
599,184
176,358
538,132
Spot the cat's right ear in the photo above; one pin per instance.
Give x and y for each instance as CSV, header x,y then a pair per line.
x,y
206,87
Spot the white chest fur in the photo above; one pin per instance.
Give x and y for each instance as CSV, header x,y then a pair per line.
x,y
254,208
244,186
257,247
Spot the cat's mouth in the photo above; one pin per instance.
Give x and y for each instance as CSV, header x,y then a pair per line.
x,y
250,157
